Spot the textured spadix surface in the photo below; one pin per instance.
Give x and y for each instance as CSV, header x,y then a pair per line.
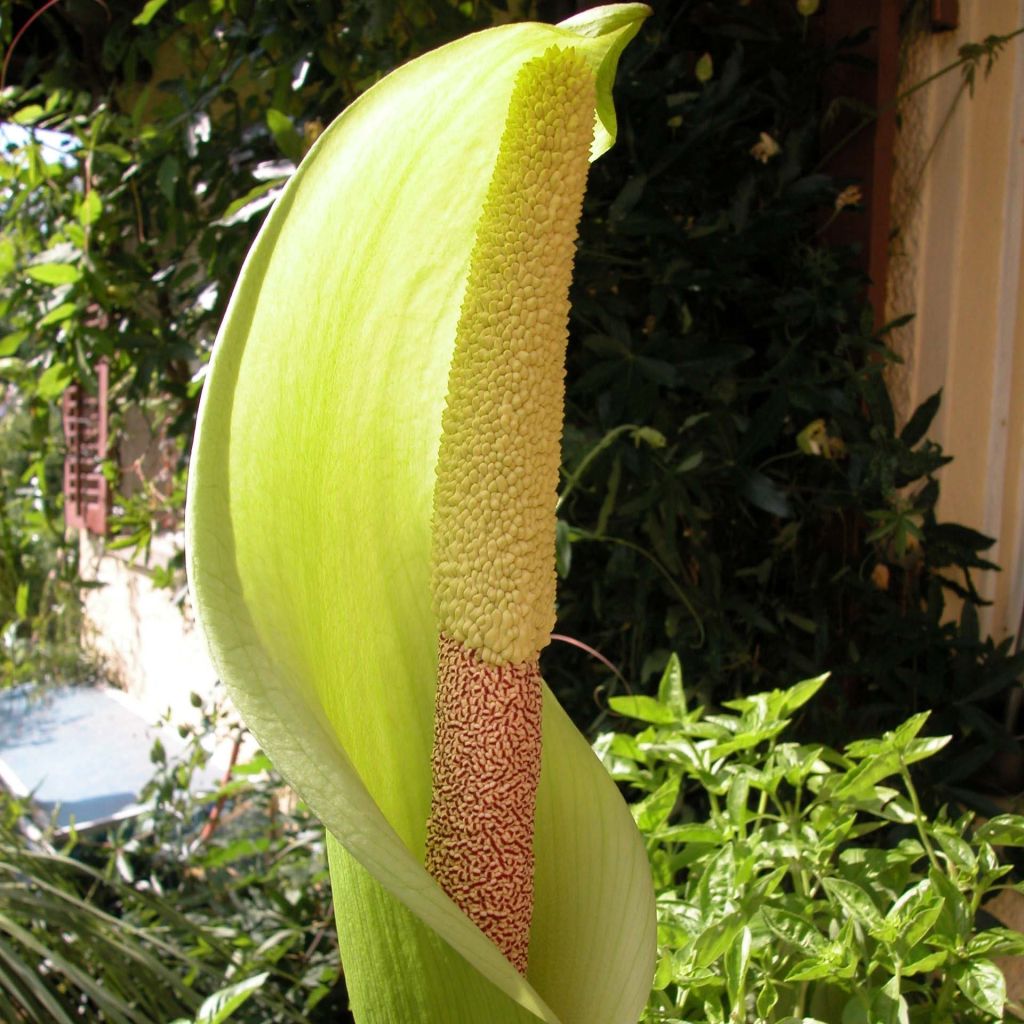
x,y
497,472
309,545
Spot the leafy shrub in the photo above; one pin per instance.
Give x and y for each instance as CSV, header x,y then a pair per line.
x,y
175,910
800,883
795,882
74,940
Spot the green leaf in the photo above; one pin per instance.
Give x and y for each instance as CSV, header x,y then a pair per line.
x,y
28,114
983,984
918,424
913,914
644,709
923,960
919,749
956,919
1002,830
902,736
775,704
793,929
287,137
797,696
311,574
747,740
119,153
54,381
719,937
10,343
997,942
860,780
54,273
736,800
767,997
56,315
854,900
662,974
889,1006
670,689
11,369
255,201
149,12
956,849
812,969
167,177
691,833
717,885
8,256
90,208
221,1005
735,965
652,812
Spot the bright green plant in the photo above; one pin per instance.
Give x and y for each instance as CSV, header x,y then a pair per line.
x,y
801,884
430,228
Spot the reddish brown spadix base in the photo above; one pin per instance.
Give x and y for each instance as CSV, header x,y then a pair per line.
x,y
493,572
480,832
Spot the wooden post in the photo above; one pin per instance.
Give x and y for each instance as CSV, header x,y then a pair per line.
x,y
863,133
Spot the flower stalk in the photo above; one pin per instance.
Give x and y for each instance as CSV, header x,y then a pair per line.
x,y
371,534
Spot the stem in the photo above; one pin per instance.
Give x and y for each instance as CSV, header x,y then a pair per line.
x,y
668,577
574,477
801,1000
918,816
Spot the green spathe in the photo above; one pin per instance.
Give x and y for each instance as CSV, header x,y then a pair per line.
x,y
309,546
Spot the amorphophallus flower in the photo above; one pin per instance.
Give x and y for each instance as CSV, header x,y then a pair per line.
x,y
371,534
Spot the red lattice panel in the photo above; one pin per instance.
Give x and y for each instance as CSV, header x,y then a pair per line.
x,y
86,496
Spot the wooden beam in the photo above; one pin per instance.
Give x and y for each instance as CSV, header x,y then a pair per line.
x,y
945,15
863,133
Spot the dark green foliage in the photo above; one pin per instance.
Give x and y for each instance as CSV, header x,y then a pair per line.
x,y
55,911
737,486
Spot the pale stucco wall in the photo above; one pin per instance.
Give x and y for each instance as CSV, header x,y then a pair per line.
x,y
145,637
957,263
